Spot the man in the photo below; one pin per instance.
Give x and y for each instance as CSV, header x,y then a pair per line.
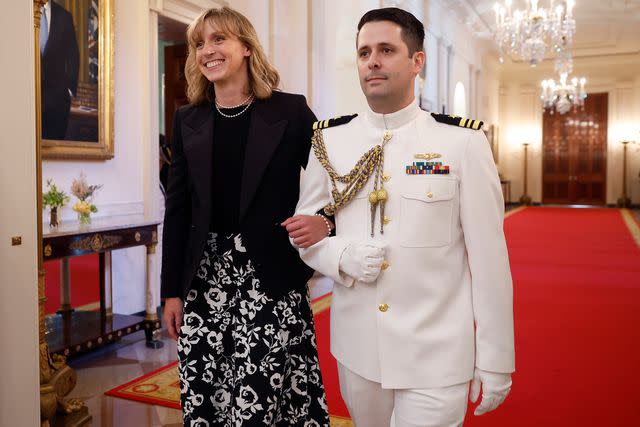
x,y
425,305
59,68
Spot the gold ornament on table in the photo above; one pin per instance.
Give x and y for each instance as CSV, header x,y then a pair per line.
x,y
370,162
54,199
84,192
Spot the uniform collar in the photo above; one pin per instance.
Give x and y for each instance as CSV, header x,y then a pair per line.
x,y
393,120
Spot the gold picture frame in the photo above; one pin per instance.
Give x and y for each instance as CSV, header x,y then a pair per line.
x,y
88,132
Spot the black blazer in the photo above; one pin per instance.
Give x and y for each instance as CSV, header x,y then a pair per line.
x,y
278,146
60,63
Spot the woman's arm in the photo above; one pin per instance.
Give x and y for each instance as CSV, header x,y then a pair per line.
x,y
307,230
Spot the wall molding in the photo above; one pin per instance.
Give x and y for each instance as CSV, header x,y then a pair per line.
x,y
184,10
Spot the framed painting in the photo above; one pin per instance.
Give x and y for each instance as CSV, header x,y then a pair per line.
x,y
76,79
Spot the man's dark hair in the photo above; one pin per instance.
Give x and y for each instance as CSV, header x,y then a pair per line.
x,y
412,29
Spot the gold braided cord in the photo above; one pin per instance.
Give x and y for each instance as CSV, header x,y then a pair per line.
x,y
355,180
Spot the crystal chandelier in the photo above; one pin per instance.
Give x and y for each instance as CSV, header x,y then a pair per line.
x,y
562,96
525,34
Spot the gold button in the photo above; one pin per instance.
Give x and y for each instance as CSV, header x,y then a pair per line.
x,y
386,177
383,307
429,194
386,220
385,264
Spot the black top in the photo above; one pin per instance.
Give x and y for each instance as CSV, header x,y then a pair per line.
x,y
229,145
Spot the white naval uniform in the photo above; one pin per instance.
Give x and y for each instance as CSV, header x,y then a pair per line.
x,y
413,328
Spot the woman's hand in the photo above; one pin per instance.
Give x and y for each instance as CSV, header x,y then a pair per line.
x,y
306,230
172,316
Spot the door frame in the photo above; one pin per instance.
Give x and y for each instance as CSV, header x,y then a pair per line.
x,y
184,11
611,182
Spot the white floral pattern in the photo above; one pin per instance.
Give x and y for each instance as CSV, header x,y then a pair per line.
x,y
245,358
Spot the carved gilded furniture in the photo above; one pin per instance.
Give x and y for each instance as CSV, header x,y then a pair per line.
x,y
73,331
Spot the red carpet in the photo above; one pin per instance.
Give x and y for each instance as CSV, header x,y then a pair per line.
x,y
576,279
577,312
328,365
85,283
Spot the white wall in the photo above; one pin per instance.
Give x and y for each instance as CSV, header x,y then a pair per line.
x,y
285,37
520,118
19,388
259,13
454,55
336,89
290,51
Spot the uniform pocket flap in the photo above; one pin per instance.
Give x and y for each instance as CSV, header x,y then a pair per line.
x,y
436,190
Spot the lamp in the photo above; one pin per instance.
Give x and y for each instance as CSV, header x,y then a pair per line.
x,y
624,201
525,199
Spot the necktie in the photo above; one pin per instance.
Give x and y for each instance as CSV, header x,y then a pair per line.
x,y
44,31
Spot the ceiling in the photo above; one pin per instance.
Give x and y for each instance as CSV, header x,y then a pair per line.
x,y
603,27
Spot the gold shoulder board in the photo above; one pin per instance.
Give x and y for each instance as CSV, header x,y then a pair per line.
x,y
458,121
337,121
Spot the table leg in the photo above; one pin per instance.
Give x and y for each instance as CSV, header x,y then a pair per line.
x,y
106,284
65,287
151,316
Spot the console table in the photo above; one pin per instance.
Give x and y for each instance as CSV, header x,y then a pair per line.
x,y
72,331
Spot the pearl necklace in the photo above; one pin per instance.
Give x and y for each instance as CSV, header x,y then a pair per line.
x,y
248,101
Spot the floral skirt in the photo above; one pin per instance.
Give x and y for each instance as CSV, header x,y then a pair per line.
x,y
246,359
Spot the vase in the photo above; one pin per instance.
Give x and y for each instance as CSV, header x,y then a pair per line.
x,y
53,217
84,218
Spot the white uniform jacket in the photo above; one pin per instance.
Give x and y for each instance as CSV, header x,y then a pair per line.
x,y
448,263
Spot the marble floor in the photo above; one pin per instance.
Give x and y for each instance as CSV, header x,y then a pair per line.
x,y
121,362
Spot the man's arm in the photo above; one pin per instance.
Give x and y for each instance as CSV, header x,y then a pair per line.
x,y
325,255
482,214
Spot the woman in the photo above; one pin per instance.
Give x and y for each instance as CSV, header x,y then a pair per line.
x,y
234,287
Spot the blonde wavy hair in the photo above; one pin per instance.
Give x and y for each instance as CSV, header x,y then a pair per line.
x,y
263,77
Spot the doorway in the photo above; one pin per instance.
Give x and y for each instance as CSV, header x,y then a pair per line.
x,y
172,55
574,145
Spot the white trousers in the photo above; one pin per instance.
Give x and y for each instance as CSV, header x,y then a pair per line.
x,y
370,405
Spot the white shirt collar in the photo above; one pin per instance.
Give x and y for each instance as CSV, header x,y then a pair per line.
x,y
47,11
393,120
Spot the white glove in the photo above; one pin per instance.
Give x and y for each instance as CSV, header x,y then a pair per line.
x,y
495,388
362,260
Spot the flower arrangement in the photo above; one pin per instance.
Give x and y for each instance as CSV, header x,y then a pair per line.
x,y
53,199
84,192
